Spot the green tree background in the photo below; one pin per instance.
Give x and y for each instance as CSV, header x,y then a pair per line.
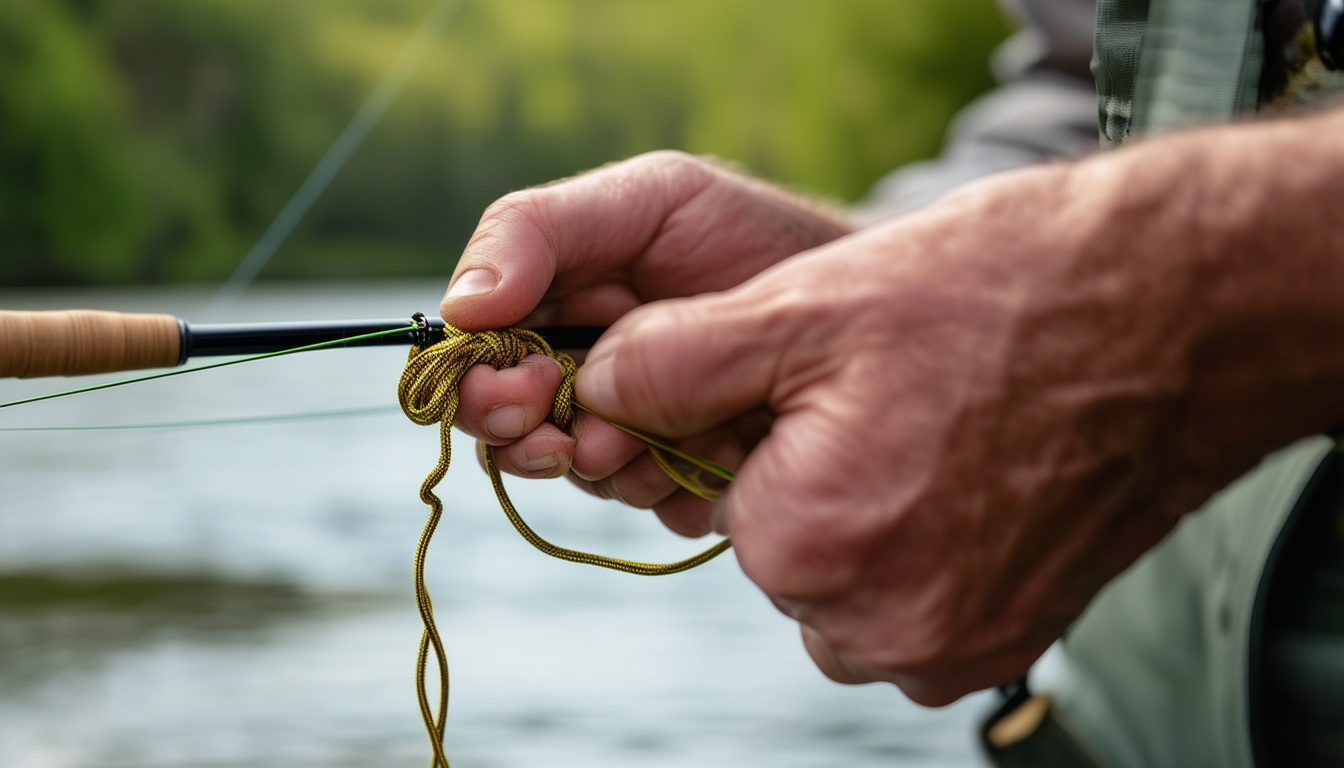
x,y
148,141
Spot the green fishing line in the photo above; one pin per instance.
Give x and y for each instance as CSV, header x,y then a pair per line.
x,y
344,413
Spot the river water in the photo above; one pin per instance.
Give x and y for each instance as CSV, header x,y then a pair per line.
x,y
240,595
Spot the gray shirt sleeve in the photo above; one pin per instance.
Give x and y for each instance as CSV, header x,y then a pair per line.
x,y
1046,109
1054,36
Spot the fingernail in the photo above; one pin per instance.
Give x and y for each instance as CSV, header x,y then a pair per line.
x,y
541,464
506,422
473,282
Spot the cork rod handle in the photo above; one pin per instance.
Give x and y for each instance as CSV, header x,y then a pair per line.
x,y
81,341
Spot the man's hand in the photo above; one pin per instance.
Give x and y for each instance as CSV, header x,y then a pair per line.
x,y
586,251
971,408
988,409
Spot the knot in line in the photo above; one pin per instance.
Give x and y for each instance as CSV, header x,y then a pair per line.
x,y
429,385
429,395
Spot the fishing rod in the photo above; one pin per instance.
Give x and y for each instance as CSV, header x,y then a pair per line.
x,y
79,342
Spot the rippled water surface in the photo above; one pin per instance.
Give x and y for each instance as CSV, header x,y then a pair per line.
x,y
240,595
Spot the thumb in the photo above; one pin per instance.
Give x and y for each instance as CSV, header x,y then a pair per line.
x,y
679,367
572,235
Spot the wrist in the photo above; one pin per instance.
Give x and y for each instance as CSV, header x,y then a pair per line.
x,y
1237,225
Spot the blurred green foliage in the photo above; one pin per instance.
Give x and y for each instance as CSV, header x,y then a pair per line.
x,y
154,140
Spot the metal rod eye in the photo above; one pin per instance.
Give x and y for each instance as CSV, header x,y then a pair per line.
x,y
420,336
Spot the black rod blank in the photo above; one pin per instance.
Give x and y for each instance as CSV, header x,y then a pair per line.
x,y
216,339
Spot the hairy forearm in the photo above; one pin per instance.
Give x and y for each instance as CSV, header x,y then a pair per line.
x,y
1239,239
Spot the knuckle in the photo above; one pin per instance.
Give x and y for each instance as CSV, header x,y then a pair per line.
x,y
524,208
474,388
681,174
673,160
625,489
511,206
542,372
506,461
649,384
644,485
605,488
800,567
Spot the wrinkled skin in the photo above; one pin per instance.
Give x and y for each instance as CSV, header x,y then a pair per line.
x,y
983,411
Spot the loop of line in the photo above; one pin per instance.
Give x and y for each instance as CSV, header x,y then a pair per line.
x,y
428,392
